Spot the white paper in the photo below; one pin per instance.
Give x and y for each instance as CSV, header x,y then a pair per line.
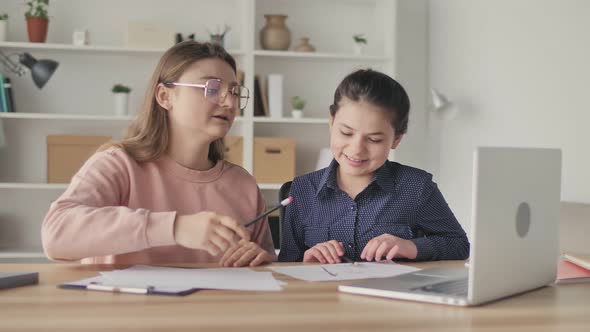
x,y
345,271
219,278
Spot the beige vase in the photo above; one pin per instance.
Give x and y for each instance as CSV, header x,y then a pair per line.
x,y
304,46
275,35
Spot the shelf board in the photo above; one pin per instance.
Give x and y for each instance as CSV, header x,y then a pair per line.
x,y
319,55
62,116
33,186
291,120
18,254
270,186
91,48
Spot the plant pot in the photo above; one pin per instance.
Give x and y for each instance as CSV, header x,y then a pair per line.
x,y
121,103
275,35
37,29
297,114
358,48
3,30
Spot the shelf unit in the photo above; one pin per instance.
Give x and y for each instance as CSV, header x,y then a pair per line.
x,y
77,100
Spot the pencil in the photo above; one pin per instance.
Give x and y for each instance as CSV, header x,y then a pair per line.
x,y
284,202
348,260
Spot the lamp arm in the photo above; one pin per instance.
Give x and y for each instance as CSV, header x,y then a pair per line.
x,y
11,65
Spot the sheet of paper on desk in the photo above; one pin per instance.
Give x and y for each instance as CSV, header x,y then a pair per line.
x,y
221,278
345,271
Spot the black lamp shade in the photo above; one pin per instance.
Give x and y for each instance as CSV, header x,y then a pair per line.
x,y
41,70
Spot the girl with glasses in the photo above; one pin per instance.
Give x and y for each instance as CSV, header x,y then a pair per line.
x,y
164,194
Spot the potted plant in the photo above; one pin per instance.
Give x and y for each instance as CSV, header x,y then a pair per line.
x,y
298,105
121,93
359,42
37,20
3,27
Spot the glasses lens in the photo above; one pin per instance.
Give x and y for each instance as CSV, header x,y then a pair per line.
x,y
213,90
244,95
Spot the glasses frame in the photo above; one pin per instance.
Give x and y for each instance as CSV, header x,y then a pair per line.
x,y
205,88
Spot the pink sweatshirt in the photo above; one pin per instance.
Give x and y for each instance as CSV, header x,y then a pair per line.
x,y
119,211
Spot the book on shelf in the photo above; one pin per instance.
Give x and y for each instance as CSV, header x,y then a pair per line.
x,y
275,95
258,108
573,268
8,94
3,104
263,96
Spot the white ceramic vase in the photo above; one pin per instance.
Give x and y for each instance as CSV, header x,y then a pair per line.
x,y
358,48
121,103
297,114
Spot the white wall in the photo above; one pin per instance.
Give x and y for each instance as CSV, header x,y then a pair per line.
x,y
411,68
518,71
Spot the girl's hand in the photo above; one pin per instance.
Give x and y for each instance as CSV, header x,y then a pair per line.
x,y
389,246
325,253
208,231
245,253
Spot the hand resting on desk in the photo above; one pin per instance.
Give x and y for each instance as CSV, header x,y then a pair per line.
x,y
245,253
389,246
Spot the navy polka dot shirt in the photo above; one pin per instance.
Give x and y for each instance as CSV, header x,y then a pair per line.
x,y
402,201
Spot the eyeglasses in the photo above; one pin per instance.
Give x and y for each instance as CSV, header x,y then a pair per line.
x,y
215,90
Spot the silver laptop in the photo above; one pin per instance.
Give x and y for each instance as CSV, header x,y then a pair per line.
x,y
514,234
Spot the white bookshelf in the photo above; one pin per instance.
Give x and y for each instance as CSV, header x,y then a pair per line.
x,y
33,186
291,120
269,186
319,55
77,99
90,48
62,116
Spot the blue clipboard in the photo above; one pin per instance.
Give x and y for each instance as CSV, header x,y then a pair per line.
x,y
97,284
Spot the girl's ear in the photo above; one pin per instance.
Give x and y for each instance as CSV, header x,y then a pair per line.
x,y
396,141
163,96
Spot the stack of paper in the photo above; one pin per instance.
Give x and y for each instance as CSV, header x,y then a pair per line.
x,y
221,278
573,268
346,271
177,280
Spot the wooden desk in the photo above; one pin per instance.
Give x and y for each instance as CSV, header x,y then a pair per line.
x,y
301,307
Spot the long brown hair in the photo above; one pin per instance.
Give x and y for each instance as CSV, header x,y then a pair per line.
x,y
147,136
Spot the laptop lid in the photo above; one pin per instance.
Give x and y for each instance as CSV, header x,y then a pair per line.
x,y
515,221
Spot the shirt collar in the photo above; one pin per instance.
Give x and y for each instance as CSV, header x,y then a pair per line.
x,y
328,179
384,177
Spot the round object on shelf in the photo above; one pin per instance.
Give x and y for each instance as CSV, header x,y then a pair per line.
x,y
275,35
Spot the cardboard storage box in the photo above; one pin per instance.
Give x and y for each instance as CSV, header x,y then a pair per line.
x,y
274,159
234,149
67,153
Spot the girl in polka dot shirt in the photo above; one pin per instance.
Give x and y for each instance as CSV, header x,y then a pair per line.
x,y
362,206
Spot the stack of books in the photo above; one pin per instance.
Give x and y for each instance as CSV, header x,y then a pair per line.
x,y
573,268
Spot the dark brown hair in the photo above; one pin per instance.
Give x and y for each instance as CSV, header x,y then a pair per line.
x,y
378,89
147,137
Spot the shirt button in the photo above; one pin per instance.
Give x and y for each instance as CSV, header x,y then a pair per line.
x,y
349,245
352,208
